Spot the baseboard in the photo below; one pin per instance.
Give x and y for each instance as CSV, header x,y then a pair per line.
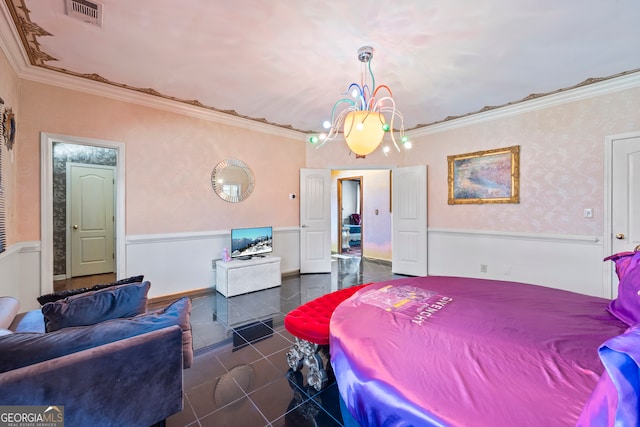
x,y
165,300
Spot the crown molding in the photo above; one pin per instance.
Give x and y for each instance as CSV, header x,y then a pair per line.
x,y
588,89
11,43
62,80
13,46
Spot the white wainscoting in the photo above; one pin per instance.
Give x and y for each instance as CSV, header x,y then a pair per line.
x,y
20,274
182,262
572,263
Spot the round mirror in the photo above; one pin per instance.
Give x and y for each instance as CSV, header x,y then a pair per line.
x,y
232,180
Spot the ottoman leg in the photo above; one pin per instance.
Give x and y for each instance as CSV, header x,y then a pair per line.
x,y
296,355
307,353
317,377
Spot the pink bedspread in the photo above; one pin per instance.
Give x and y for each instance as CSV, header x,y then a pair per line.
x,y
469,352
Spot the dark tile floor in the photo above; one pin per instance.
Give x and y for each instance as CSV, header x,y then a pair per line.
x,y
240,376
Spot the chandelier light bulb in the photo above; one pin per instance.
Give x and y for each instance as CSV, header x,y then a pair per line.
x,y
408,145
364,117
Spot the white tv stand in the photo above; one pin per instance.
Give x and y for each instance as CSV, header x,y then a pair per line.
x,y
238,277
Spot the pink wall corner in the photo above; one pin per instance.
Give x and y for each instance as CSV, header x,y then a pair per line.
x,y
10,94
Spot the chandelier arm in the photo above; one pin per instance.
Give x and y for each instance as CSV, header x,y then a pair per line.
x,y
361,97
340,101
373,79
383,87
366,90
336,125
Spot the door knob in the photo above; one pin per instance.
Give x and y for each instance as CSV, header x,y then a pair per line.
x,y
620,236
75,227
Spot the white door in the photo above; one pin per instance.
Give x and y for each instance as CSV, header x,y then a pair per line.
x,y
409,212
315,221
91,219
625,198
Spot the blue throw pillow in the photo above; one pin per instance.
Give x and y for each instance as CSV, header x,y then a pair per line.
x,y
176,313
96,306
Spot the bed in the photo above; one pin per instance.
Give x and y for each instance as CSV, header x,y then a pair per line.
x,y
450,351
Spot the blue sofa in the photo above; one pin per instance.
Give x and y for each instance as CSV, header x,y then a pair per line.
x,y
122,371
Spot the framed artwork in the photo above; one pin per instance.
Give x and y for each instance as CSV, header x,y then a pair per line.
x,y
491,176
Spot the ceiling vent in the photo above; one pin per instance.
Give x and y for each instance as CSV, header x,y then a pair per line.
x,y
84,10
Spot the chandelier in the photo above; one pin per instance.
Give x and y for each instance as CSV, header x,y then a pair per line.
x,y
360,115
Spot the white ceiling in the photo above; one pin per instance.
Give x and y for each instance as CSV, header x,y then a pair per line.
x,y
289,61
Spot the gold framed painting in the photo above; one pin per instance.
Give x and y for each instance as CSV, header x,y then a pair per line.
x,y
491,176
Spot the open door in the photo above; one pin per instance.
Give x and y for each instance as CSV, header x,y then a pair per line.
x,y
625,198
315,221
409,211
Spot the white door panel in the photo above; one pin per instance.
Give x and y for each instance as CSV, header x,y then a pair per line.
x,y
315,221
409,211
91,219
625,199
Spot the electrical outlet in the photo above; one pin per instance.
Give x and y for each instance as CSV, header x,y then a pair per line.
x,y
483,268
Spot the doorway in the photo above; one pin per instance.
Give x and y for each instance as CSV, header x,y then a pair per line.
x,y
622,202
350,219
90,219
56,152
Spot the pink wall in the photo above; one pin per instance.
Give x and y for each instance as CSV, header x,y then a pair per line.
x,y
169,159
561,165
10,94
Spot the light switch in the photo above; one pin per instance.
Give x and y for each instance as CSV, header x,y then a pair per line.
x,y
588,213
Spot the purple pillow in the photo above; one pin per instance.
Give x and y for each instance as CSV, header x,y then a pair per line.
x,y
626,306
624,261
96,306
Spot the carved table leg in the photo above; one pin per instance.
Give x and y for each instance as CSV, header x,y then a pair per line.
x,y
308,353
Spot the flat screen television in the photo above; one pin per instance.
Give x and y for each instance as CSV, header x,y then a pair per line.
x,y
250,242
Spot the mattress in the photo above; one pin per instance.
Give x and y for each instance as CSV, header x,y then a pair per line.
x,y
448,351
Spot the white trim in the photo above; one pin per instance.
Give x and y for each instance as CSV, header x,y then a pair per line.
x,y
79,84
143,239
546,101
46,201
518,236
21,248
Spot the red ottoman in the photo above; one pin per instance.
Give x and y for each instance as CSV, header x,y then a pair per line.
x,y
309,323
